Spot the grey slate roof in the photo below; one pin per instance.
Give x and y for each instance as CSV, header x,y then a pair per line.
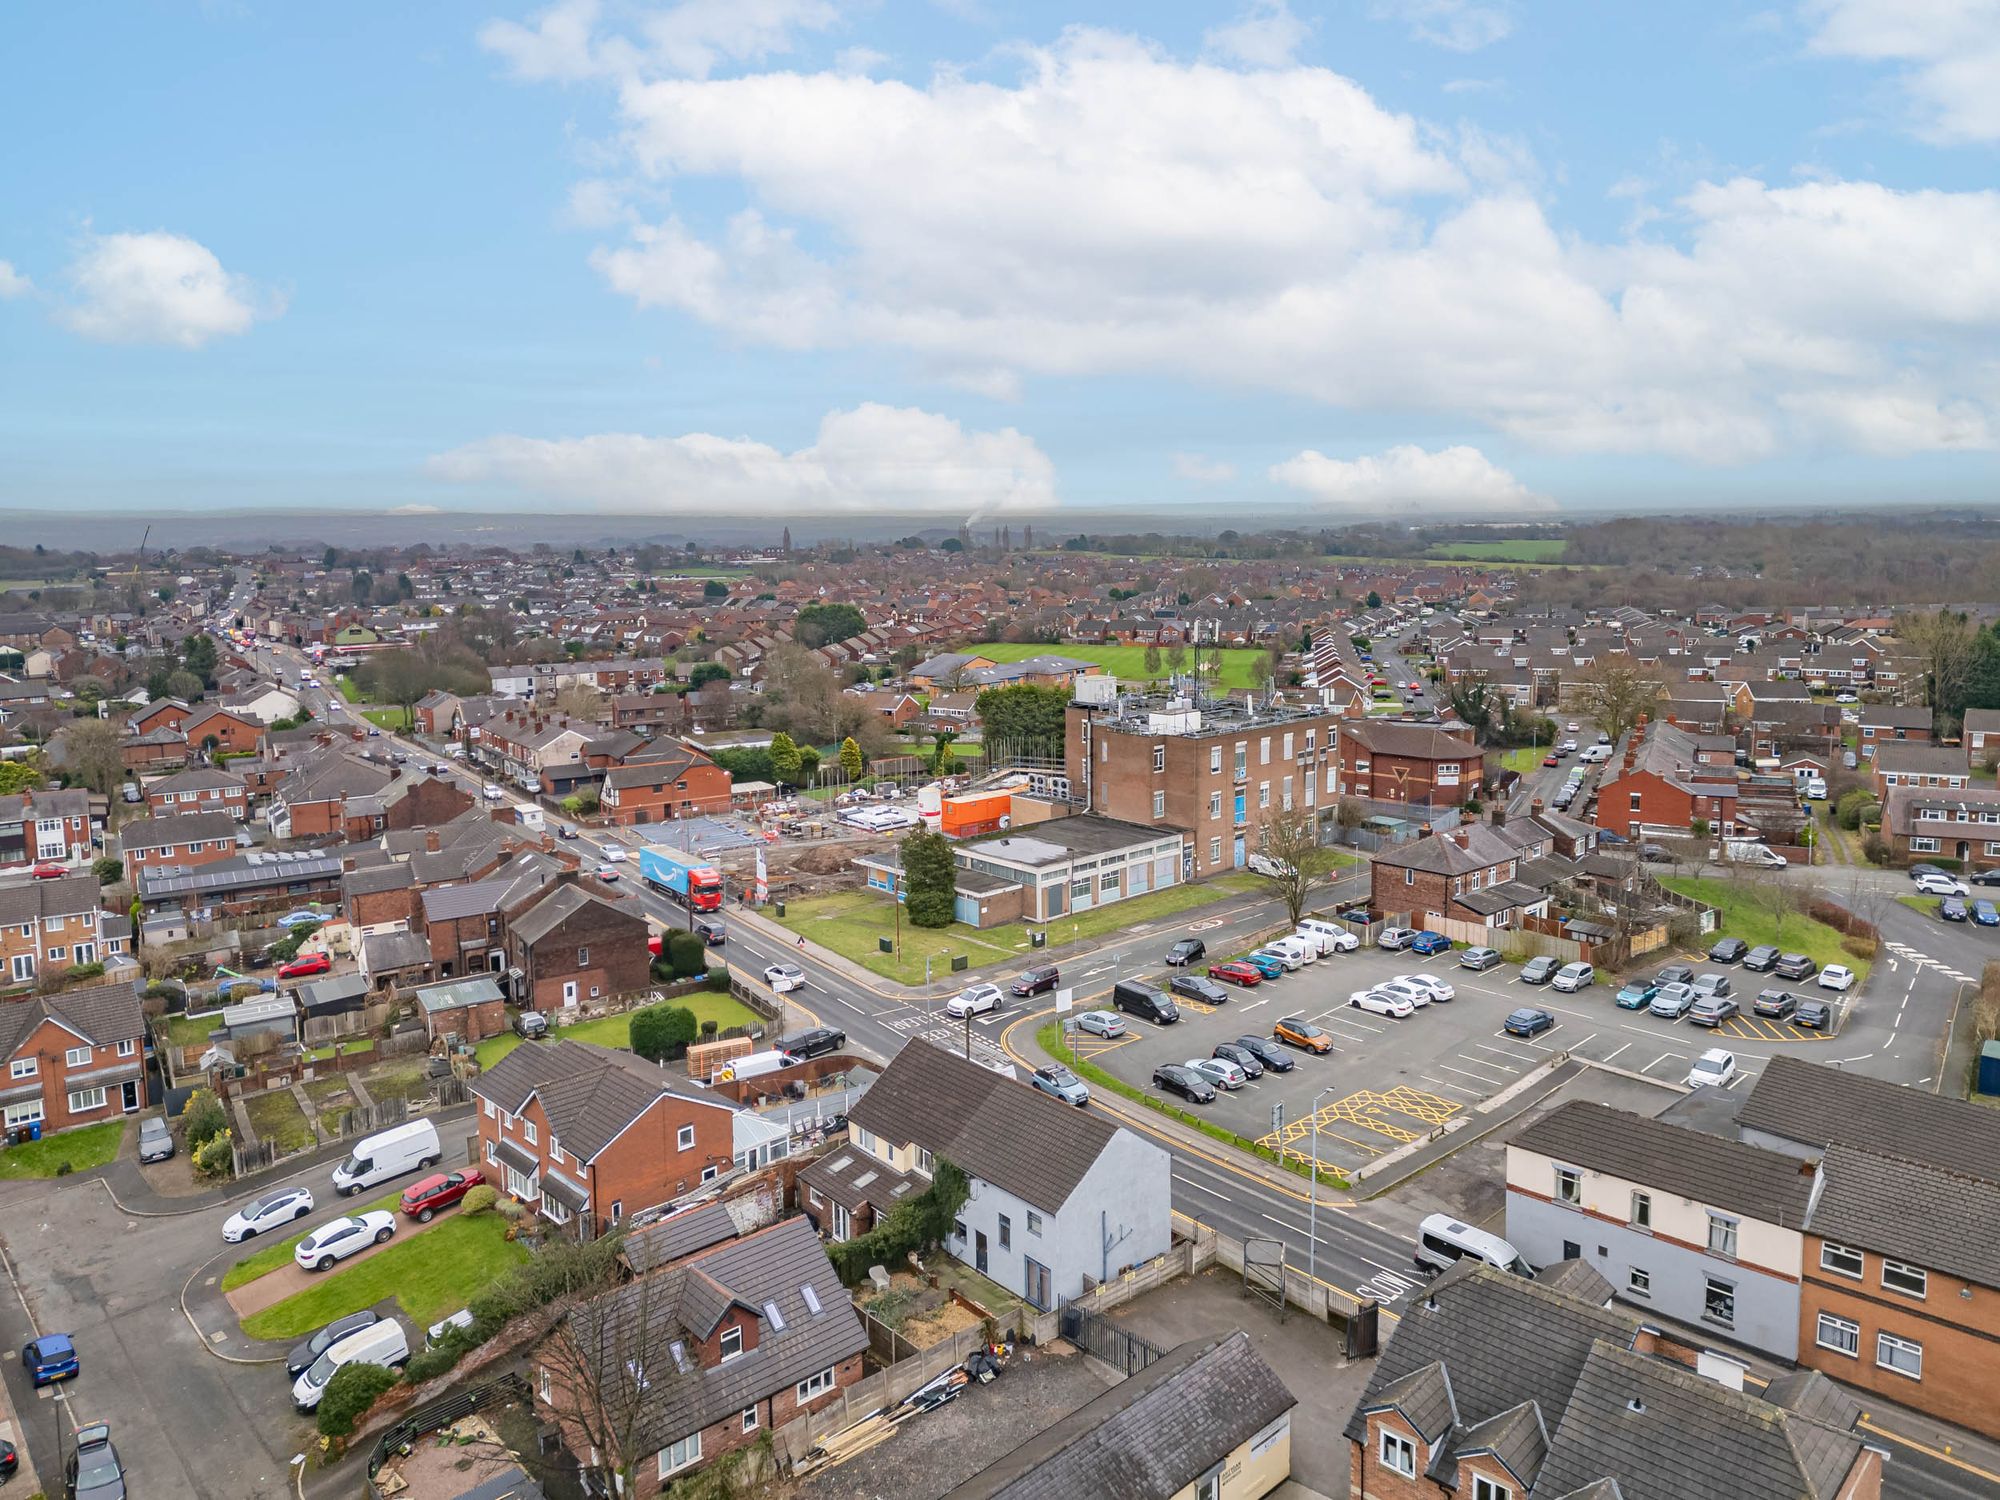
x,y
552,911
589,1093
388,951
1154,1434
1424,1398
1729,1175
1517,1438
177,829
1818,1107
29,901
988,1125
1577,1278
374,879
678,1235
102,1014
1911,1212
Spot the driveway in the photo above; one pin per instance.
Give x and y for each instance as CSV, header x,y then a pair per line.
x,y
275,1286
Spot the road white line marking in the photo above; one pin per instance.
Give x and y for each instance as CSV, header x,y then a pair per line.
x,y
1475,1077
1656,1062
1612,1055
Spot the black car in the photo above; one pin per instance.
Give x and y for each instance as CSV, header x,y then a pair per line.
x,y
307,1350
1274,1058
1775,1005
1674,974
1243,1057
1186,951
1816,1015
1144,1001
1189,1084
1918,872
1036,980
1954,909
531,1024
1728,950
1761,959
1198,987
1795,966
9,1459
1540,970
92,1470
1984,877
713,931
1655,854
820,1039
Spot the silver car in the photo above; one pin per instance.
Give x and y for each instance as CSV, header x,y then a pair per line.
x,y
156,1140
1672,1001
1219,1071
1057,1080
1101,1023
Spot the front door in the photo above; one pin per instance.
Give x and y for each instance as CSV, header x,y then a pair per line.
x,y
1241,852
131,1100
979,1251
1036,1285
569,992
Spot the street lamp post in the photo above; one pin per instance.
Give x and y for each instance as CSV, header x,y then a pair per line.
x,y
1312,1203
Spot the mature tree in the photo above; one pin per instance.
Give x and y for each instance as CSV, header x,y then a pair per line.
x,y
824,624
93,754
851,764
809,759
1297,864
1946,645
784,759
929,879
1152,659
1374,600
706,672
1614,690
1027,719
943,759
398,677
1177,657
198,655
579,700
715,590
802,694
183,685
17,776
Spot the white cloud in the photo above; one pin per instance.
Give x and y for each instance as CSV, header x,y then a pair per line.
x,y
1949,51
13,283
873,458
564,43
1199,469
1456,25
159,288
1265,35
1453,480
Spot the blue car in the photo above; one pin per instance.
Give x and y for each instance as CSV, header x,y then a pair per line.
x,y
293,919
1637,995
1528,1021
1986,914
1430,942
1264,964
50,1358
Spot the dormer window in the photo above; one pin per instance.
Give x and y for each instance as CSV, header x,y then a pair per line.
x,y
732,1341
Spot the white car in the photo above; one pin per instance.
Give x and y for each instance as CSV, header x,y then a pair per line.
x,y
1836,977
1101,1023
1418,996
267,1213
1382,1003
615,853
344,1236
1332,939
1942,885
1428,984
783,977
1846,698
1713,1069
1219,1071
974,1000
1572,977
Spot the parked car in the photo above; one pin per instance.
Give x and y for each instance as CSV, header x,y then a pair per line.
x,y
309,1349
1251,1064
261,1215
1675,974
1794,966
1293,952
1418,998
1953,909
1539,970
1986,877
974,1000
1382,1002
50,1358
1186,951
1190,1085
1986,914
531,1024
1572,977
92,1470
50,869
1636,994
425,1200
1713,1069
1528,1021
1919,871
1836,977
10,1461
1429,985
1728,950
1101,1023
1814,1015
1219,1071
156,1139
1942,884
1059,1082
785,977
1297,1031
1774,1005
1712,1010
1035,981
1761,959
1143,1000
1198,988
1236,973
300,918
1672,1001
1267,965
306,966
1478,959
342,1237
1428,942
1338,939
1395,939
816,1042
1274,1058
1711,984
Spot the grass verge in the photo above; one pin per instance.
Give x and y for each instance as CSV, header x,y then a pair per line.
x,y
1523,759
84,1148
429,1274
1748,913
393,720
267,1260
1050,1036
616,1031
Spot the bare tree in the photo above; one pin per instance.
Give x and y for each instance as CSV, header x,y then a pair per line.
x,y
1613,691
617,1367
1296,862
91,751
579,700
1945,643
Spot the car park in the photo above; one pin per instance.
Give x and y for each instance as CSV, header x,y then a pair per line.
x,y
1101,1023
1219,1071
1573,977
1774,1005
1942,884
92,1469
1636,994
261,1215
1338,939
1528,1021
1712,1010
813,1043
309,1349
1297,1031
1176,1078
1186,951
1135,998
1274,1057
974,1000
1251,1064
1814,1015
1236,973
50,1358
1672,1001
1479,959
1058,1082
343,1237
1428,985
1540,969
1395,939
1728,950
785,977
1268,965
1382,1002
1761,959
1035,981
1428,942
1713,1069
1836,977
1794,966
1711,984
156,1139
424,1200
1953,909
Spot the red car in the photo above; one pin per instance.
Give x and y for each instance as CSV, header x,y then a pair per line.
x,y
50,869
301,968
435,1194
1242,974
1551,760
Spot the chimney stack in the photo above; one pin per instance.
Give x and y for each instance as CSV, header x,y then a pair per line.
x,y
1535,808
1462,836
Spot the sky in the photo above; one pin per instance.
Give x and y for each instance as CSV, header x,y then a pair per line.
x,y
972,259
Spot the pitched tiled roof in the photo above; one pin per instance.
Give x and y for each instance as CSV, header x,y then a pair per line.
x,y
1819,1106
1424,1398
30,900
1414,741
589,1093
990,1126
553,910
1918,1214
677,1236
102,1014
177,828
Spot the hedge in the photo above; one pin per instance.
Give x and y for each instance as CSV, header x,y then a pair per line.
x,y
914,1224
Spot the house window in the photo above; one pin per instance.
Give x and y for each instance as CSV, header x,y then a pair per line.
x,y
128,1048
814,1386
677,1456
583,958
1911,1281
77,1057
617,1209
22,1114
544,1385
685,1140
1638,802
1399,1455
1159,804
1569,1185
1923,846
749,1419
1006,1232
1215,760
1718,1302
1034,1223
1209,1486
1263,794
528,1132
1215,804
1839,1335
1489,1489
82,1101
487,1105
709,1174
555,1151
1159,757
1840,1260
1904,1356
925,1161
1214,857
1721,1236
1409,877
732,1341
1639,1282
23,1067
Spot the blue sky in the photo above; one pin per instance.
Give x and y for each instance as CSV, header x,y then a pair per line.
x,y
972,257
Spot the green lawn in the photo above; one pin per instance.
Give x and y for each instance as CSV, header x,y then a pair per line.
x,y
263,1262
1523,759
352,1048
187,1031
616,1031
387,719
1520,549
275,1116
850,922
86,1147
1928,905
431,1274
347,688
1747,914
1238,665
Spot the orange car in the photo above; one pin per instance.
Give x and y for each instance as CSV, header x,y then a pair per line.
x,y
1297,1031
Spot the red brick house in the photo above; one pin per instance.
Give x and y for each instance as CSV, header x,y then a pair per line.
x,y
1963,825
1885,723
72,1059
471,1009
1467,874
1933,767
577,1131
753,1332
380,896
199,789
196,838
47,926
572,945
666,779
1389,761
162,713
48,823
1668,780
236,733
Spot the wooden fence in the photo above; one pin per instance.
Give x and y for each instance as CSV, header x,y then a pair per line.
x,y
884,1388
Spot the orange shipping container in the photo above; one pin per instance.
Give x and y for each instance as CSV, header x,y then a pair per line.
x,y
961,817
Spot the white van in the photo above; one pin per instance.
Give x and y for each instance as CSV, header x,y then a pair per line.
x,y
1290,948
389,1153
1333,938
1442,1242
492,793
382,1343
1747,852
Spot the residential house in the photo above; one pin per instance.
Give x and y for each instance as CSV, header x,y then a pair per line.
x,y
1982,737
1919,823
199,789
48,823
469,1009
1468,874
1387,760
76,1058
264,880
1932,767
571,945
48,926
662,780
1058,1194
1883,723
235,732
185,841
1666,782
